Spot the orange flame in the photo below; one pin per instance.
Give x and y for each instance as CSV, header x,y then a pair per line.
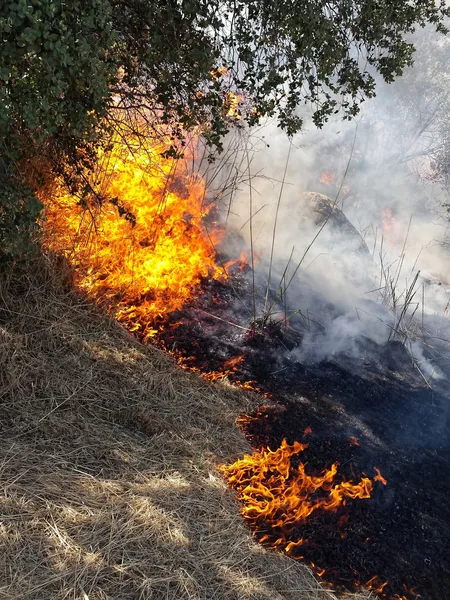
x,y
278,495
231,364
379,477
391,227
150,249
375,585
327,178
241,262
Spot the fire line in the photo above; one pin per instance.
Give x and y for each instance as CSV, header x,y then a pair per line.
x,y
138,245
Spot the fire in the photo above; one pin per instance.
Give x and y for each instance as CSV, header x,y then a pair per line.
x,y
280,497
327,178
139,245
241,262
137,240
391,227
379,477
233,105
375,585
387,219
231,364
229,367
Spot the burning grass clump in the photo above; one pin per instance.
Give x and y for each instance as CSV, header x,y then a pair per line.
x,y
108,472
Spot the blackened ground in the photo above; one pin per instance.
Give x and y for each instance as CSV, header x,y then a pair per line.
x,y
402,533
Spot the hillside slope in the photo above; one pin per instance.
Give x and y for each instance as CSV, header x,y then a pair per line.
x,y
109,487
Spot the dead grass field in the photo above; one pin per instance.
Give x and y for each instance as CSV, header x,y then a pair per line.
x,y
108,456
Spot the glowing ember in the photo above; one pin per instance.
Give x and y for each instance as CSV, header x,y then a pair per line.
x,y
137,240
279,496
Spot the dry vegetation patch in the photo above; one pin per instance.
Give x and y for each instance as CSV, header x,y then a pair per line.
x,y
109,487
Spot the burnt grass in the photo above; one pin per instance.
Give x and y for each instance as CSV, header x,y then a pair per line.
x,y
402,533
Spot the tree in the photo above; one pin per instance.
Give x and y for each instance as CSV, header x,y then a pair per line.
x,y
64,63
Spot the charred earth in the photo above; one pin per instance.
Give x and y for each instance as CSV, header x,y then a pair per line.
x,y
364,408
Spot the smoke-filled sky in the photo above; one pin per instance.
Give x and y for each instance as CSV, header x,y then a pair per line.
x,y
379,170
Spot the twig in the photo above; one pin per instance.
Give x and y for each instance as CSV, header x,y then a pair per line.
x,y
251,239
275,225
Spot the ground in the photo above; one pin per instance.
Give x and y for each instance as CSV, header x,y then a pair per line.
x,y
108,464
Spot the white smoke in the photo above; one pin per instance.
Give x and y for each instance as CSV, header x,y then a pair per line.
x,y
376,170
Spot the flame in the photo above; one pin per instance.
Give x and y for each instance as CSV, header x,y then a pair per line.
x,y
231,364
327,178
233,105
229,367
375,585
139,246
138,240
379,477
279,497
391,227
354,441
240,262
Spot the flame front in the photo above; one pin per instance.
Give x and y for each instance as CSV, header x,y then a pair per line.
x,y
279,497
138,243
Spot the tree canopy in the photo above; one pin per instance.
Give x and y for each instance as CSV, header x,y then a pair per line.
x,y
64,63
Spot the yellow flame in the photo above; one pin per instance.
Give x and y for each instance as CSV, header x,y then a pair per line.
x,y
137,241
276,494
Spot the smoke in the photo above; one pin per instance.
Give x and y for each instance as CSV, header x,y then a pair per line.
x,y
374,261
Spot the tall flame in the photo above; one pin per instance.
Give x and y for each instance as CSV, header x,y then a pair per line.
x,y
138,243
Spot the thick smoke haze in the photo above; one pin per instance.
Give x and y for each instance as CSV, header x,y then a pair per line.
x,y
389,279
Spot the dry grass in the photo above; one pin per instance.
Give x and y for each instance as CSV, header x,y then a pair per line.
x,y
108,480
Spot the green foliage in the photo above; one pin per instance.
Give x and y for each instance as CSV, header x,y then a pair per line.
x,y
278,55
54,66
55,77
64,63
19,209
